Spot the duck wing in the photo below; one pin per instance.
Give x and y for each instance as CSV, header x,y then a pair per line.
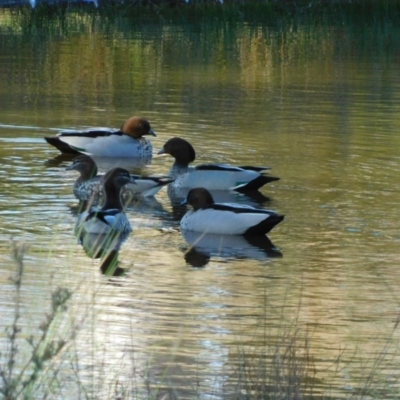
x,y
254,168
91,133
224,176
227,167
231,219
67,146
217,167
254,221
148,186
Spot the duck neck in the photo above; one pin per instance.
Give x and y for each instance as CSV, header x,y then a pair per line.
x,y
112,197
87,174
178,168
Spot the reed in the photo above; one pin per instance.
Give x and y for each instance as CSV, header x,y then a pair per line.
x,y
20,375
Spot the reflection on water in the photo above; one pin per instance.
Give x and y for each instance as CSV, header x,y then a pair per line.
x,y
105,247
251,198
205,245
132,164
104,164
320,106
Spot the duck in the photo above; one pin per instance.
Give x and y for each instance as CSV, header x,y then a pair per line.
x,y
226,218
88,185
110,218
211,176
105,142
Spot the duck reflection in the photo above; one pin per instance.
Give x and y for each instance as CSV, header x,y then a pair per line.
x,y
203,246
58,160
130,202
252,198
129,163
78,208
197,258
105,247
136,203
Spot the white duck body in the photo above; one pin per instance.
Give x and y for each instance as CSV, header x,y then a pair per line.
x,y
226,218
106,142
111,145
210,176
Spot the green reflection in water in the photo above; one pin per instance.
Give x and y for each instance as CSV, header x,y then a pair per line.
x,y
82,60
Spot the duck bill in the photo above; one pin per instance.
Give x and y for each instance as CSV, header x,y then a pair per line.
x,y
151,132
69,167
183,203
133,181
162,151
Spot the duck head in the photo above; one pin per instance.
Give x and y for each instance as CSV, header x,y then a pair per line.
x,y
180,149
116,178
85,165
198,198
137,127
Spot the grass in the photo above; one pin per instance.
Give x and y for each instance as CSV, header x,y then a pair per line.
x,y
285,370
19,377
282,367
32,360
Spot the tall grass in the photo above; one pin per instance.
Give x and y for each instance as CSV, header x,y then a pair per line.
x,y
18,375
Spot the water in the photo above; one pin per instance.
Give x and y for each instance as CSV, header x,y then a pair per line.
x,y
318,105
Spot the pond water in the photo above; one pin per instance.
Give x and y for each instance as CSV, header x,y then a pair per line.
x,y
318,105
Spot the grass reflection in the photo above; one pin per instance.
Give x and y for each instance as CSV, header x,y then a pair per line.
x,y
94,57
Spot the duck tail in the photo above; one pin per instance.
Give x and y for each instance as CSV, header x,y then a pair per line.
x,y
255,184
265,226
60,145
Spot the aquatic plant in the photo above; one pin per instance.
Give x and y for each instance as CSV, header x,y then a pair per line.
x,y
18,374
